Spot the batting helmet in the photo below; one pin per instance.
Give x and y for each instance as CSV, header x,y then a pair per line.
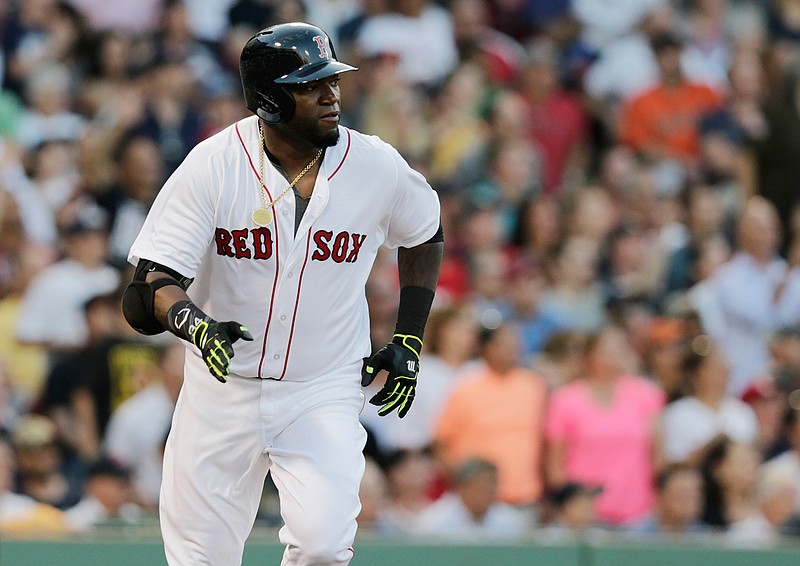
x,y
293,53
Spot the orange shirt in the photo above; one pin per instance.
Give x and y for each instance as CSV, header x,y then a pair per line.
x,y
498,418
665,119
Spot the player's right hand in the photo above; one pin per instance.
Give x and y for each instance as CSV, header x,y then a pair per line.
x,y
215,340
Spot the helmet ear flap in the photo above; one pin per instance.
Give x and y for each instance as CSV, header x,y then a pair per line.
x,y
275,106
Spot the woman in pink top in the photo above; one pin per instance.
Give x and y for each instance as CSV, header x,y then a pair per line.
x,y
600,431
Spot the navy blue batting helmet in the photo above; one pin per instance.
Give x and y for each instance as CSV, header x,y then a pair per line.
x,y
284,54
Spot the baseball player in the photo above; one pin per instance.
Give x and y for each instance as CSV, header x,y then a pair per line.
x,y
275,223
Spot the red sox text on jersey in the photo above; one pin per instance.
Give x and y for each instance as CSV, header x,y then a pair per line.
x,y
256,243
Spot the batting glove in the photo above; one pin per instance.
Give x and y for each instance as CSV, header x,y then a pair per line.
x,y
400,358
215,341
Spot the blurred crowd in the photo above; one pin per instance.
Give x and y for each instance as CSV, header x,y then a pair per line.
x,y
615,341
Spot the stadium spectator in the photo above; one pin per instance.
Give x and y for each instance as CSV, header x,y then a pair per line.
x,y
606,411
500,54
139,175
473,508
788,463
769,406
411,476
576,294
495,413
49,116
558,122
44,471
561,358
662,122
27,363
704,219
746,295
106,499
21,514
573,510
730,474
776,501
374,496
663,355
138,427
51,310
690,423
85,386
450,348
527,282
679,501
784,346
420,33
10,407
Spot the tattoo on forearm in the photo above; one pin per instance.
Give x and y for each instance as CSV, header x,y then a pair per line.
x,y
419,266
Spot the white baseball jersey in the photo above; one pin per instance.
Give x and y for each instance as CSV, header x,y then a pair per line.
x,y
300,295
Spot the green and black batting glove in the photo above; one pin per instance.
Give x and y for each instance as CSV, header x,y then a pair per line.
x,y
214,339
400,358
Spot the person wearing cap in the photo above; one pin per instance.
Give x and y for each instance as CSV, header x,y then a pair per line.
x,y
20,513
44,472
51,312
472,508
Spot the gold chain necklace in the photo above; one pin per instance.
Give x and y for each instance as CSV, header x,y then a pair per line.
x,y
262,215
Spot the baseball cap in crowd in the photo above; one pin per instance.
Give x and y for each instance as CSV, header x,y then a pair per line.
x,y
666,40
89,218
573,489
33,431
760,389
105,466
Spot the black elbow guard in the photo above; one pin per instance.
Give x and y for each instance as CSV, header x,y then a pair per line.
x,y
138,305
138,300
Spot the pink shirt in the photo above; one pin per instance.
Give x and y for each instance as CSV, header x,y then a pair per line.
x,y
609,446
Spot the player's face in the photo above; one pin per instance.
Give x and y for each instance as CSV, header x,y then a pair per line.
x,y
316,115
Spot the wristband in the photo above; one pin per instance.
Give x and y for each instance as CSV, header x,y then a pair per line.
x,y
183,320
413,311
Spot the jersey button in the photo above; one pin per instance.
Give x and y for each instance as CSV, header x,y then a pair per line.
x,y
290,274
283,317
285,212
276,356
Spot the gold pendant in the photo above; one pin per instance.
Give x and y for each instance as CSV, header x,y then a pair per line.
x,y
262,216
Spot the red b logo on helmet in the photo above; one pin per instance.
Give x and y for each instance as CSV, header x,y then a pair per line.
x,y
322,46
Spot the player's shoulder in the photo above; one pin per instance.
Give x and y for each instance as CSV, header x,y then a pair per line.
x,y
370,145
369,152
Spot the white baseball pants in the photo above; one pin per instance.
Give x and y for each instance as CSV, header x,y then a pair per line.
x,y
224,439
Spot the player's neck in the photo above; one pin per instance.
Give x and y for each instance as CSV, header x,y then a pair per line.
x,y
290,151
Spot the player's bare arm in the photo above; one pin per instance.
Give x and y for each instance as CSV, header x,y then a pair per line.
x,y
156,300
419,266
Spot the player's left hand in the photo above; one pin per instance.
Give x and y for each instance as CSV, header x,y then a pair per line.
x,y
400,358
